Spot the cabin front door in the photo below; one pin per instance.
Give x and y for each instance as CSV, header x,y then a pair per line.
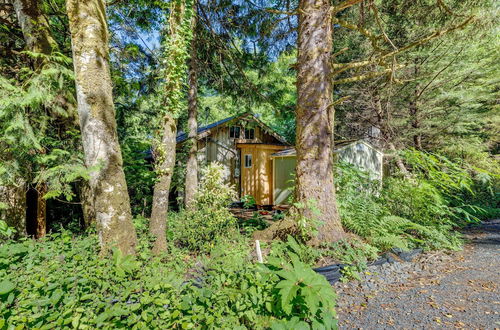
x,y
257,171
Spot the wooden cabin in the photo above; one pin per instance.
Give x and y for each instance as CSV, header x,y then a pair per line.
x,y
243,144
260,163
356,152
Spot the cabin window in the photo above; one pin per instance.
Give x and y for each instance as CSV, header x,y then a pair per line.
x,y
249,133
234,132
248,161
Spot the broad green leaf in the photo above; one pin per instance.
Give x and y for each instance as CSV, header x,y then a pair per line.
x,y
6,286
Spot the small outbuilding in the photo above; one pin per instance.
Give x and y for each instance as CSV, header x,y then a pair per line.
x,y
357,152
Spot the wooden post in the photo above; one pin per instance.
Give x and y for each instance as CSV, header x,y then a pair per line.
x,y
259,252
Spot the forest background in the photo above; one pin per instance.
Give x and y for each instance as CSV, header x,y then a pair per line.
x,y
419,78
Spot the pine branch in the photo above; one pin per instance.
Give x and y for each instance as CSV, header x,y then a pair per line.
x,y
365,76
438,74
373,38
341,100
280,12
379,23
380,59
344,5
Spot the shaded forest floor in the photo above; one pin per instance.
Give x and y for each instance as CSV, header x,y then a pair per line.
x,y
437,290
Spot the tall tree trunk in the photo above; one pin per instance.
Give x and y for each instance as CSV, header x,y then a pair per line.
x,y
87,201
191,183
414,110
37,36
415,124
35,27
89,36
165,161
176,54
41,210
315,118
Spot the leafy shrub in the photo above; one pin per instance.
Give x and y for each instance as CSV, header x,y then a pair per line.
x,y
352,251
256,222
305,253
5,230
469,191
303,294
249,201
198,229
306,227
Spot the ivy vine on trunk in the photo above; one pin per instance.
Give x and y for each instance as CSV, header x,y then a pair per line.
x,y
176,48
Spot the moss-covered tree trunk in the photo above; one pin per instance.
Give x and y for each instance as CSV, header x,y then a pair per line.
x,y
165,161
13,206
177,40
315,189
89,37
34,26
191,183
87,201
38,38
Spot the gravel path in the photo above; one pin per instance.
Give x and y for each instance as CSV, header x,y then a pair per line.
x,y
436,290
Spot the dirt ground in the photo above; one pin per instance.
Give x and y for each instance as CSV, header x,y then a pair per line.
x,y
459,290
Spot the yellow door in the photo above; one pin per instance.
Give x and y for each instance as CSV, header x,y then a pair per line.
x,y
257,172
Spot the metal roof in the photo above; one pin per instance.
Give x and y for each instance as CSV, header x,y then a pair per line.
x,y
285,153
182,136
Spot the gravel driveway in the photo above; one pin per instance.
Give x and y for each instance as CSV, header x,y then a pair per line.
x,y
435,291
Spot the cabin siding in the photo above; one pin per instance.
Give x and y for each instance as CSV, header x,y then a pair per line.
x,y
364,157
216,145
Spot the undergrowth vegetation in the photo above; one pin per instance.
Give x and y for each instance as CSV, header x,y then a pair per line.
x,y
209,277
61,282
421,212
200,228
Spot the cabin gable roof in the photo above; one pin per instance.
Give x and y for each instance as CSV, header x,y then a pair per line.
x,y
205,131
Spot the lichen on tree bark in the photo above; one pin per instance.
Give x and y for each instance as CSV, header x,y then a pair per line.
x,y
191,182
34,26
89,36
